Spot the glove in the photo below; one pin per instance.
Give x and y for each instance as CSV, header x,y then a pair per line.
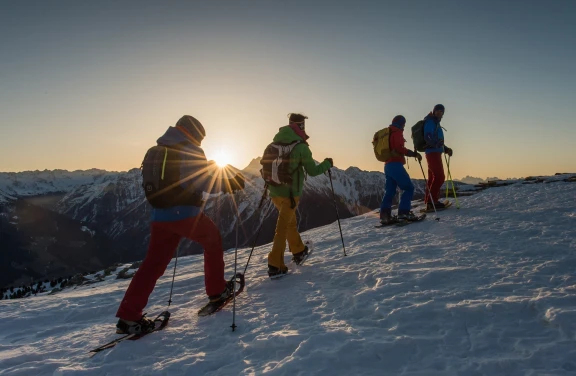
x,y
418,156
330,160
448,151
415,154
236,183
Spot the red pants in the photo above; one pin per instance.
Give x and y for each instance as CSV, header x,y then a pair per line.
x,y
435,176
164,239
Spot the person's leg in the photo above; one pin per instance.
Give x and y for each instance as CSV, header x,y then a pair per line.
x,y
285,214
202,230
390,187
295,243
163,243
436,174
405,184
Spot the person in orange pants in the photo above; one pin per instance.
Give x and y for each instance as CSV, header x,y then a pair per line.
x,y
286,197
182,219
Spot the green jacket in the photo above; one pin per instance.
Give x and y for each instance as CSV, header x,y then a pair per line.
x,y
300,161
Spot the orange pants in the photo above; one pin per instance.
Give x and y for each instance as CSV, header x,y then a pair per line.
x,y
286,229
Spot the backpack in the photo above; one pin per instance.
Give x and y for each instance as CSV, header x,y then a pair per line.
x,y
418,136
161,179
381,144
276,164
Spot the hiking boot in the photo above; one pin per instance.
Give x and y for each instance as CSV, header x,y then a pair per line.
x,y
407,216
300,256
274,272
226,294
386,217
144,325
438,205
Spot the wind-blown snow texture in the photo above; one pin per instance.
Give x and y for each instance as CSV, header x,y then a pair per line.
x,y
488,290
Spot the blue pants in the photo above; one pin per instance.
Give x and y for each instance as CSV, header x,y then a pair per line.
x,y
396,176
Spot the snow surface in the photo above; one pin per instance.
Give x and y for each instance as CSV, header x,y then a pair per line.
x,y
490,289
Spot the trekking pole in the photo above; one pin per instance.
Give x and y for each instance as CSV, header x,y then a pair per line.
x,y
173,276
336,207
233,326
451,181
428,189
259,228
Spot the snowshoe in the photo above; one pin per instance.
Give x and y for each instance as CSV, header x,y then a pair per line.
x,y
144,325
407,216
218,302
300,257
274,272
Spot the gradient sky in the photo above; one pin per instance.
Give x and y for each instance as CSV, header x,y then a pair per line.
x,y
94,84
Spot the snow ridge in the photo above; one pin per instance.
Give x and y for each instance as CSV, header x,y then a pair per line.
x,y
487,290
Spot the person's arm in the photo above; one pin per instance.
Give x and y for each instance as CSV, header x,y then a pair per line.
x,y
308,163
431,134
397,143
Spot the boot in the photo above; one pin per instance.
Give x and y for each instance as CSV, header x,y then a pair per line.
x,y
386,217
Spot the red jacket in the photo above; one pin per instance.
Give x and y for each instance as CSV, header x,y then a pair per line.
x,y
397,145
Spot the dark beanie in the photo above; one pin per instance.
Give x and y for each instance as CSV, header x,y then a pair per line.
x,y
438,107
193,126
399,121
297,118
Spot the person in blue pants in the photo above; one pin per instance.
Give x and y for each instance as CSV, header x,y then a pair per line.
x,y
396,175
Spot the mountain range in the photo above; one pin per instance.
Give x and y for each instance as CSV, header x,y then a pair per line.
x,y
59,223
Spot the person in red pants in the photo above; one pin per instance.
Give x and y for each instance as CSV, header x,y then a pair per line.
x,y
434,137
182,219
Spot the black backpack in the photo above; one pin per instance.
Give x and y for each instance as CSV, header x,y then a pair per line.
x,y
418,136
276,164
161,179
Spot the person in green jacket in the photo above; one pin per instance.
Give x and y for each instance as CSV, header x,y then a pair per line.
x,y
286,198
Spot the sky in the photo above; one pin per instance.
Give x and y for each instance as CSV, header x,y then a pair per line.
x,y
94,84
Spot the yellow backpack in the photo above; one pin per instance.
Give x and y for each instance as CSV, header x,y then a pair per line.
x,y
381,144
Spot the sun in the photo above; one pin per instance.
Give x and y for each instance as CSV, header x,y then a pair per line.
x,y
222,158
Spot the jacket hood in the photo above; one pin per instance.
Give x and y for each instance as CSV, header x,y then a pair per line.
x,y
431,116
286,135
172,137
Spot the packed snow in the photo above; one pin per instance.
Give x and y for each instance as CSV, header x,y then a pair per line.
x,y
489,289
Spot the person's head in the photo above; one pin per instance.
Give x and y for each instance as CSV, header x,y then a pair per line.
x,y
192,128
399,121
298,119
438,111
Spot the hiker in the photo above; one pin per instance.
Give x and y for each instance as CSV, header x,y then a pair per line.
x,y
434,137
396,175
285,197
179,215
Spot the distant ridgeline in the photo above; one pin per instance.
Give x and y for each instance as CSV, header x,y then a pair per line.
x,y
59,226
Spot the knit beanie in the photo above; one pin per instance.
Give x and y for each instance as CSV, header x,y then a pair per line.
x,y
193,126
399,121
438,107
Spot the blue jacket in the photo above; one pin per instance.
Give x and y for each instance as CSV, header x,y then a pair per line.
x,y
433,134
196,167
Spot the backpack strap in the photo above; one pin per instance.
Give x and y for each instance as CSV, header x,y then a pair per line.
x,y
164,162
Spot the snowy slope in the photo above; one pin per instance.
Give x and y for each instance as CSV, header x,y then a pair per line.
x,y
490,289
